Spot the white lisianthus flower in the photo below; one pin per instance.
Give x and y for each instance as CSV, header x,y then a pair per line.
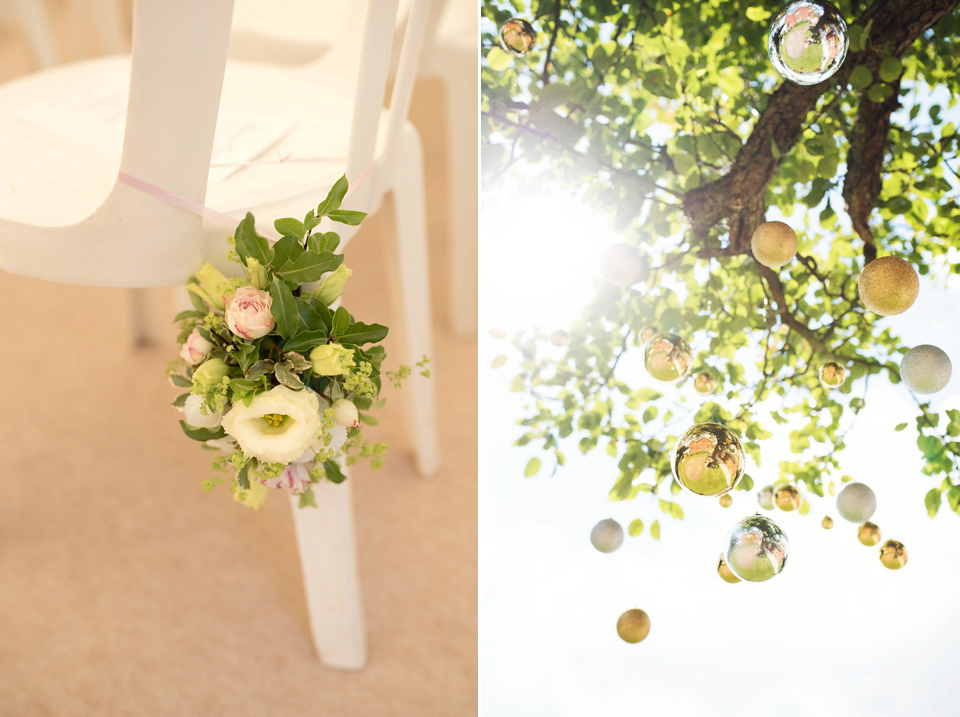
x,y
277,426
296,477
193,415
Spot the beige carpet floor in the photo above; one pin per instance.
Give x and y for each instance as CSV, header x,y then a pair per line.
x,y
125,590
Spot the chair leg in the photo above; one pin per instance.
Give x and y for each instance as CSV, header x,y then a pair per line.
x,y
462,114
328,561
410,283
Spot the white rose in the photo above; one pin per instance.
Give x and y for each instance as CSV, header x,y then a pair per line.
x,y
248,312
195,349
194,417
296,477
277,426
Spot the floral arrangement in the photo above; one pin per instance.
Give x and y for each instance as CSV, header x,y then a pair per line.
x,y
280,379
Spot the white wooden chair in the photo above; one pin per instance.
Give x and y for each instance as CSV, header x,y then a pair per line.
x,y
66,217
291,31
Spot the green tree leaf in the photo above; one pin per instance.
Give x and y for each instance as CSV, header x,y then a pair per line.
x,y
283,308
533,467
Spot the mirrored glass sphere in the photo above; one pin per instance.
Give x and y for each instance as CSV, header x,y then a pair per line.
x,y
517,36
646,333
892,554
808,41
704,382
633,626
765,498
856,502
926,369
832,374
869,534
787,497
725,573
607,535
708,459
667,357
756,549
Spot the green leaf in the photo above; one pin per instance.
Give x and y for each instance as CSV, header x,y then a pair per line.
x,y
310,220
308,499
890,69
498,361
334,474
341,320
290,225
180,381
359,334
260,368
498,60
775,149
757,13
655,530
337,192
309,267
368,419
287,377
251,244
635,528
533,467
180,400
900,426
188,314
202,434
878,93
284,309
306,340
242,480
932,502
861,77
345,216
287,249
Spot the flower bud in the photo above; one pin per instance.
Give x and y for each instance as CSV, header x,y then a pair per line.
x,y
210,372
332,286
345,413
210,279
331,360
257,273
195,349
195,417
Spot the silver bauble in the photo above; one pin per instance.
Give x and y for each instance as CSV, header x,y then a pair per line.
x,y
756,549
667,357
607,535
765,498
925,369
708,459
808,41
856,502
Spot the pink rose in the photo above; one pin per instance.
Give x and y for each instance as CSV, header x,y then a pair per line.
x,y
195,348
248,312
295,476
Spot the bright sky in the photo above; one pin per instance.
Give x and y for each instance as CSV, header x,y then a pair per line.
x,y
835,634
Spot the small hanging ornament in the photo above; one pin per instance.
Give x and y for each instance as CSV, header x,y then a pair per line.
x,y
633,626
517,36
869,534
808,41
667,357
756,549
708,459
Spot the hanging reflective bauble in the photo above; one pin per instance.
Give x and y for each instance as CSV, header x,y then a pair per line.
x,y
517,36
869,534
827,522
708,459
925,369
726,500
756,549
893,555
647,333
621,264
888,286
559,338
607,535
787,498
633,626
765,498
667,357
832,374
856,502
725,573
808,41
704,382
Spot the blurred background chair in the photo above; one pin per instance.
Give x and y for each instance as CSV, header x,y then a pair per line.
x,y
301,31
65,216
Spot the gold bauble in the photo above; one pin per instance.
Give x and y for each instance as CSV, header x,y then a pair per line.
x,y
667,357
774,244
869,534
708,459
517,36
893,555
787,497
646,333
827,522
725,573
621,264
726,500
832,374
704,382
888,286
633,626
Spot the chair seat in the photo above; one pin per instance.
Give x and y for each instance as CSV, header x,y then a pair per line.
x,y
76,155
